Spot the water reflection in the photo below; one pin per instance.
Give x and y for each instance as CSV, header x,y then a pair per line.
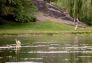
x,y
41,49
9,52
18,48
6,55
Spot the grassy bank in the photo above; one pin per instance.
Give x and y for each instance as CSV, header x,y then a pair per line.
x,y
41,27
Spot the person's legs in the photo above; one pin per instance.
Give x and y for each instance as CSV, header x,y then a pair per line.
x,y
76,24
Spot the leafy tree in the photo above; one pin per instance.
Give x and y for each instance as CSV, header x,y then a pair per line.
x,y
25,10
19,10
78,9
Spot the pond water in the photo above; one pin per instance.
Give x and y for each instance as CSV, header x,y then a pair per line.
x,y
46,48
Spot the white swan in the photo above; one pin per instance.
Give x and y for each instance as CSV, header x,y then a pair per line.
x,y
18,46
18,43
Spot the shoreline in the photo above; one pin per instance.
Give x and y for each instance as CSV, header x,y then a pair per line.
x,y
47,32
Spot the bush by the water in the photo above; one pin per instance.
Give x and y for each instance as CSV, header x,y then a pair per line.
x,y
17,10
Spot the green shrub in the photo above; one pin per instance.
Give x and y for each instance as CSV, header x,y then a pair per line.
x,y
25,19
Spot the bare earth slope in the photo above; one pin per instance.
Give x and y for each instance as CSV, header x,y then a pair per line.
x,y
50,12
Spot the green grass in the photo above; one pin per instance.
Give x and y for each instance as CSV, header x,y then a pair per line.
x,y
39,27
